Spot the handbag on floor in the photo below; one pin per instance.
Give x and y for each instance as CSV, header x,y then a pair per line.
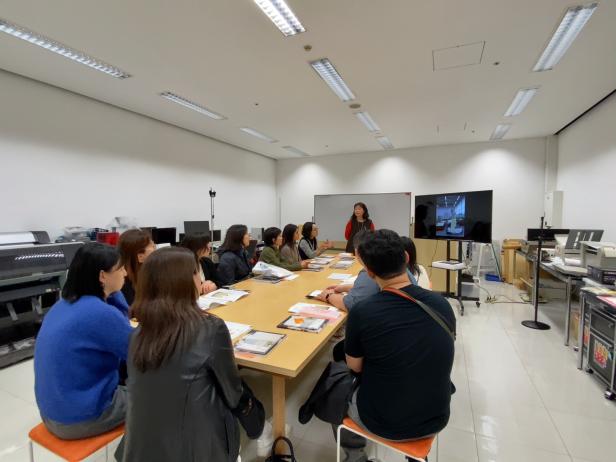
x,y
282,457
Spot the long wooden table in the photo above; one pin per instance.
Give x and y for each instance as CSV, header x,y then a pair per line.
x,y
267,306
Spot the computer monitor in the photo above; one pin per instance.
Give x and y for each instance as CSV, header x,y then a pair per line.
x,y
256,233
164,236
195,227
216,235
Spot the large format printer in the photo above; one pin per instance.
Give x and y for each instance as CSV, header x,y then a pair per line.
x,y
32,272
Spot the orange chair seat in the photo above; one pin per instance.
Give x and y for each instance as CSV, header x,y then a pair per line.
x,y
418,448
73,450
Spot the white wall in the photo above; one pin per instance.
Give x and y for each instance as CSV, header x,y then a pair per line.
x,y
69,160
587,170
515,170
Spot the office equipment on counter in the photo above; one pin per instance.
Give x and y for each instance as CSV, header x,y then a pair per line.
x,y
24,238
603,276
569,246
31,278
599,254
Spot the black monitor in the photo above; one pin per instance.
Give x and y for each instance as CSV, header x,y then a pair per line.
x,y
465,216
164,236
532,234
216,235
196,227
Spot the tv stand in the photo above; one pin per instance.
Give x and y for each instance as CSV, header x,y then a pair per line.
x,y
457,295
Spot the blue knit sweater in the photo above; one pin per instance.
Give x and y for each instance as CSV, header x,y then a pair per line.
x,y
76,358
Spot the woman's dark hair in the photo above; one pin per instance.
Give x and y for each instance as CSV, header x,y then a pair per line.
x,y
409,246
131,244
307,230
363,206
166,307
270,235
84,273
383,253
288,235
196,242
234,237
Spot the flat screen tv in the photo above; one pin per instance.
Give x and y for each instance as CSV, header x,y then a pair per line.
x,y
465,216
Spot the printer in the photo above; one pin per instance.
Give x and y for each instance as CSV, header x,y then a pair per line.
x,y
568,246
32,273
599,254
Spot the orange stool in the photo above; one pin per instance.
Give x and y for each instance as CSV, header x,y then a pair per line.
x,y
417,450
71,450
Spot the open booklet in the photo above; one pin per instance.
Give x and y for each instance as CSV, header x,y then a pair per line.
x,y
237,329
220,297
342,264
314,310
303,323
259,342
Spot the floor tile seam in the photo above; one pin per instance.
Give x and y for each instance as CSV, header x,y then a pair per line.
x,y
470,400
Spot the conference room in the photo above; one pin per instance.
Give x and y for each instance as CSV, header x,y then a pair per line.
x,y
284,230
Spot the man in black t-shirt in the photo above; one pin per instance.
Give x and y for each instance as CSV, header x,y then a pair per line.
x,y
404,355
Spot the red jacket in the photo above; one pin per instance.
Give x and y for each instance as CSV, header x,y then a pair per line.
x,y
349,225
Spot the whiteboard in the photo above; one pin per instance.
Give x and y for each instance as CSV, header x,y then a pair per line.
x,y
387,210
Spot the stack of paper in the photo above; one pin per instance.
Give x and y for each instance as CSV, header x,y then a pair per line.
x,y
317,311
259,342
303,323
342,264
237,329
340,276
320,261
350,281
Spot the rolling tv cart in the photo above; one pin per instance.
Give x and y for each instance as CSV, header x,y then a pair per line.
x,y
455,266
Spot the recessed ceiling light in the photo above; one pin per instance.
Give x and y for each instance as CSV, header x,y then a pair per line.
x,y
190,105
261,136
295,151
520,101
368,121
58,48
572,23
282,16
330,75
500,131
384,142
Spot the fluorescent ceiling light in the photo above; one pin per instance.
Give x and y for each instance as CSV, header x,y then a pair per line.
x,y
295,151
385,142
326,70
190,105
282,16
520,101
58,48
500,131
572,23
368,121
259,135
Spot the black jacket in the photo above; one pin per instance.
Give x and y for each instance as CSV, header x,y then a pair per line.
x,y
210,270
182,411
233,266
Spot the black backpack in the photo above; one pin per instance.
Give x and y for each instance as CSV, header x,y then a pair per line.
x,y
282,457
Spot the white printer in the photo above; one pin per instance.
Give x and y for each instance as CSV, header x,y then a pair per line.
x,y
599,254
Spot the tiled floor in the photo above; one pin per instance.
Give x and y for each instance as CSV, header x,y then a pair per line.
x,y
520,398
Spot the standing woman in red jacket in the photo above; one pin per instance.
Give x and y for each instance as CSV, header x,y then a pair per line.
x,y
360,221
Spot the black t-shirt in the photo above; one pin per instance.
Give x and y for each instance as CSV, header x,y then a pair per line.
x,y
405,388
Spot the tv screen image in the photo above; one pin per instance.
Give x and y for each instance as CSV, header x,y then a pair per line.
x,y
450,215
457,216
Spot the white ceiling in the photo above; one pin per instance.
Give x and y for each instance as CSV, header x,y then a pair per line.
x,y
226,55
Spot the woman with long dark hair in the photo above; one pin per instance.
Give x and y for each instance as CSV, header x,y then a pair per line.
x,y
289,251
418,272
78,351
359,221
183,381
233,264
200,244
308,245
135,245
272,238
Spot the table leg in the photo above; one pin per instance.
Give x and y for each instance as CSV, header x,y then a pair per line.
x,y
568,320
278,405
581,331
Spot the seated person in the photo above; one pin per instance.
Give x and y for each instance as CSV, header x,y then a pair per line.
x,y
391,342
308,247
289,252
346,296
419,273
78,351
272,238
184,384
200,245
233,264
134,245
